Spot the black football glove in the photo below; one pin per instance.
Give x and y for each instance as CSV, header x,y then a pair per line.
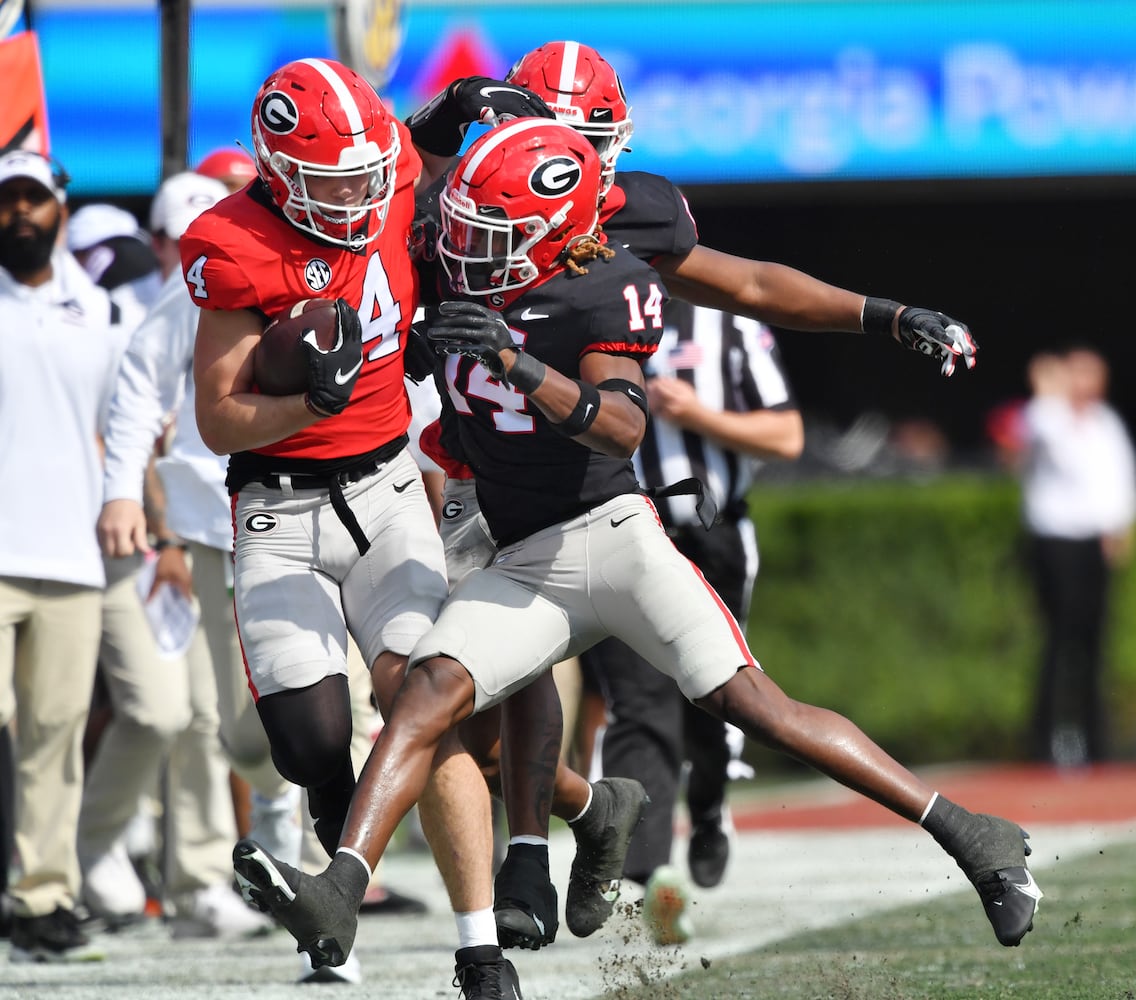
x,y
332,373
425,231
474,330
938,336
419,359
924,330
439,126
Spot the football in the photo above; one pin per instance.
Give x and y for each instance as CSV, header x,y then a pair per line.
x,y
280,362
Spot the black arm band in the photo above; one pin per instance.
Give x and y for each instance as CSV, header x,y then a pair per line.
x,y
632,391
586,410
877,315
526,374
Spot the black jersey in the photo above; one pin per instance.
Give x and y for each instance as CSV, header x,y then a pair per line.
x,y
644,213
649,216
530,476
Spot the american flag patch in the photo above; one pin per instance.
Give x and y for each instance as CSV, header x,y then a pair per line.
x,y
686,354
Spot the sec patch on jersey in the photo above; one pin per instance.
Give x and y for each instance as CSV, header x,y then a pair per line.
x,y
280,361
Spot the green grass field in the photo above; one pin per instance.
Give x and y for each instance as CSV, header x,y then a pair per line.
x,y
1082,947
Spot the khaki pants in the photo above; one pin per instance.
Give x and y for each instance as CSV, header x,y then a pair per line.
x,y
49,641
242,734
165,711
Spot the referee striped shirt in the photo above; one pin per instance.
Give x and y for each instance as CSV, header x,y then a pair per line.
x,y
734,365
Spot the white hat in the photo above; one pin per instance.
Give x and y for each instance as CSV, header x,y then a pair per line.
x,y
181,199
25,163
97,223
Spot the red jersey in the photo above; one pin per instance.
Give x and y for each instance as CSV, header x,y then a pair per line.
x,y
244,254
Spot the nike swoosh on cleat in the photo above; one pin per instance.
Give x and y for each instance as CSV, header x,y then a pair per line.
x,y
401,488
1027,888
342,377
616,524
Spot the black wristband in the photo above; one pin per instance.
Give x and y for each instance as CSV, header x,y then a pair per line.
x,y
584,413
877,315
526,374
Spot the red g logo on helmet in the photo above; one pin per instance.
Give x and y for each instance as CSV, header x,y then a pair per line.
x,y
555,177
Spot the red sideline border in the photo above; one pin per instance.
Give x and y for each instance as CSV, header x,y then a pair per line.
x,y
1023,792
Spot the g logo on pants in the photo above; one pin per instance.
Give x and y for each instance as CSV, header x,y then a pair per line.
x,y
260,523
452,509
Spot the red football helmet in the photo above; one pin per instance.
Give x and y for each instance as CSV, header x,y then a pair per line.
x,y
518,198
316,122
584,91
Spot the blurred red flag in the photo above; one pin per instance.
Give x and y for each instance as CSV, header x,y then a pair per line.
x,y
23,112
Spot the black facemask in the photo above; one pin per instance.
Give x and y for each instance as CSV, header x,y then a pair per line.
x,y
26,252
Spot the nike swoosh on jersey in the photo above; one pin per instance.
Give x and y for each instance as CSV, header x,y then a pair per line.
x,y
343,377
529,314
402,488
616,524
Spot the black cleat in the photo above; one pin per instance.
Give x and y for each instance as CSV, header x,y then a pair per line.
x,y
312,908
994,859
602,834
708,852
483,973
524,899
53,937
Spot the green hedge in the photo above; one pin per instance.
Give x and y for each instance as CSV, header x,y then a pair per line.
x,y
906,607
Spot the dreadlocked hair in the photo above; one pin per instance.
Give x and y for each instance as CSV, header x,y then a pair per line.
x,y
584,249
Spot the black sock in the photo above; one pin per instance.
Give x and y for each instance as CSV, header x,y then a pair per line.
x,y
350,876
534,853
944,822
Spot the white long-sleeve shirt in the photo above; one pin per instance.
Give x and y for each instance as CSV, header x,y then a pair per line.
x,y
59,353
155,379
1080,473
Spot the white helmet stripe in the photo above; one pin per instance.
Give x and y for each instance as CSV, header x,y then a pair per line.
x,y
346,99
500,134
567,82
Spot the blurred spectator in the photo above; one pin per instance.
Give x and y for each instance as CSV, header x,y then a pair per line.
x,y
720,404
1005,430
118,255
116,252
61,348
1079,500
231,166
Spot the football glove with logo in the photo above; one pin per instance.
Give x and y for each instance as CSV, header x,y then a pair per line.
x,y
439,126
332,373
477,331
924,330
